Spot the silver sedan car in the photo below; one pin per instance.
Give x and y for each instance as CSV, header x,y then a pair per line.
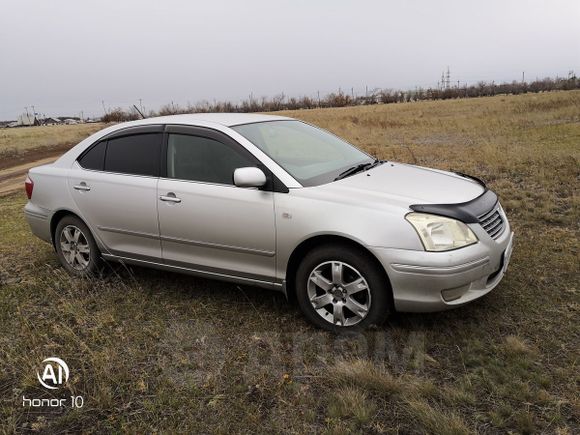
x,y
273,202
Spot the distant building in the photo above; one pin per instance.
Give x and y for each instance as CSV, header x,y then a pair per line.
x,y
27,120
51,121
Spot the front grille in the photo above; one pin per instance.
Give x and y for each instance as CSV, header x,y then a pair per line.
x,y
492,222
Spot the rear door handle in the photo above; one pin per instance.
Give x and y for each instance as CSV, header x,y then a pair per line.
x,y
82,187
170,197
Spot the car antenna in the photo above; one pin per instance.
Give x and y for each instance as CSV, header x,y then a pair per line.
x,y
139,112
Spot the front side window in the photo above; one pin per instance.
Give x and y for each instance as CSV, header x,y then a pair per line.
x,y
198,158
311,155
137,154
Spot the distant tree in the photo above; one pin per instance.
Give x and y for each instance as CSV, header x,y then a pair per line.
x,y
340,99
119,115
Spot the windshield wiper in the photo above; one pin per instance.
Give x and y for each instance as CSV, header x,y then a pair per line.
x,y
358,168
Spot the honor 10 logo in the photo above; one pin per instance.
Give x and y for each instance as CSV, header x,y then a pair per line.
x,y
54,374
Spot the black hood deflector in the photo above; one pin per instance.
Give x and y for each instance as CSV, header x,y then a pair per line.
x,y
467,212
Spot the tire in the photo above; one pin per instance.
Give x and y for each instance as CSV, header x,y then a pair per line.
x,y
346,284
76,247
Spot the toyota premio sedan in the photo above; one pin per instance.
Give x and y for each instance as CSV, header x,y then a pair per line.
x,y
277,203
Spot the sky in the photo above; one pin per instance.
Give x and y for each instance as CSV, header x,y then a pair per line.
x,y
64,56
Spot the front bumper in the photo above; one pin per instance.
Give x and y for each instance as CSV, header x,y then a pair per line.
x,y
434,281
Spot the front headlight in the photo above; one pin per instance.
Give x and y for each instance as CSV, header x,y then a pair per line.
x,y
440,233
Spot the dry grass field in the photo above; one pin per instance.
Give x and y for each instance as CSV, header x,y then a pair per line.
x,y
19,144
153,351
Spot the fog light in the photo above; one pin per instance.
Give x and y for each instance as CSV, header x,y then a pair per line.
x,y
452,294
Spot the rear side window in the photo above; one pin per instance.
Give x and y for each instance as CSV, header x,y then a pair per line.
x,y
94,158
199,158
137,154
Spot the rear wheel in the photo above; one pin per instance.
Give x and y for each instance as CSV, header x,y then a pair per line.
x,y
76,248
341,288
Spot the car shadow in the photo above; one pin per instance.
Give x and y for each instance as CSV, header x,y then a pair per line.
x,y
259,301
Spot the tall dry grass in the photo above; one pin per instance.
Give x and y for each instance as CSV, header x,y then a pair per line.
x,y
15,141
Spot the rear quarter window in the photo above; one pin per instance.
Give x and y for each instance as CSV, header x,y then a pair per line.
x,y
94,157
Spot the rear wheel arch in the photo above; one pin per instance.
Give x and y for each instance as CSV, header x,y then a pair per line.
x,y
56,218
321,240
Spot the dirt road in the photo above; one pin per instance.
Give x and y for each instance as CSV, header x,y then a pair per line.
x,y
12,179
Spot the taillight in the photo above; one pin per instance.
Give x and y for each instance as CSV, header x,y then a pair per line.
x,y
29,185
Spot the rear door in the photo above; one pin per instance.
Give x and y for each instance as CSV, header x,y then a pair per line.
x,y
205,221
114,184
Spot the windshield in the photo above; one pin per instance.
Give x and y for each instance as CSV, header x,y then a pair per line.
x,y
311,155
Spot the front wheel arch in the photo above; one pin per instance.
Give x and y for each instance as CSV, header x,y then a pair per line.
x,y
307,245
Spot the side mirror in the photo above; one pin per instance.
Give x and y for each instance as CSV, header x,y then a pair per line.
x,y
249,177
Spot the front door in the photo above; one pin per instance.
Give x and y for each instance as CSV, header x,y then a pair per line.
x,y
206,222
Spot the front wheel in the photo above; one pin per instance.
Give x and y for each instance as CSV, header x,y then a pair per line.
x,y
340,288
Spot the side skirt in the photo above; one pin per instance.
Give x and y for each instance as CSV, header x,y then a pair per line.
x,y
197,272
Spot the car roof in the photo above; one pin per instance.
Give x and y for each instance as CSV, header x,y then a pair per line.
x,y
224,119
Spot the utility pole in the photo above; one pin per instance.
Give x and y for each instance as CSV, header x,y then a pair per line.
x,y
104,110
448,79
352,92
318,92
523,76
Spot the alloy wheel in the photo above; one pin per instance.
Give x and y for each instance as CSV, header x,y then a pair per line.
x,y
339,293
75,247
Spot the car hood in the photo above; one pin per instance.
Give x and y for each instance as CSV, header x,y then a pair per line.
x,y
400,184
